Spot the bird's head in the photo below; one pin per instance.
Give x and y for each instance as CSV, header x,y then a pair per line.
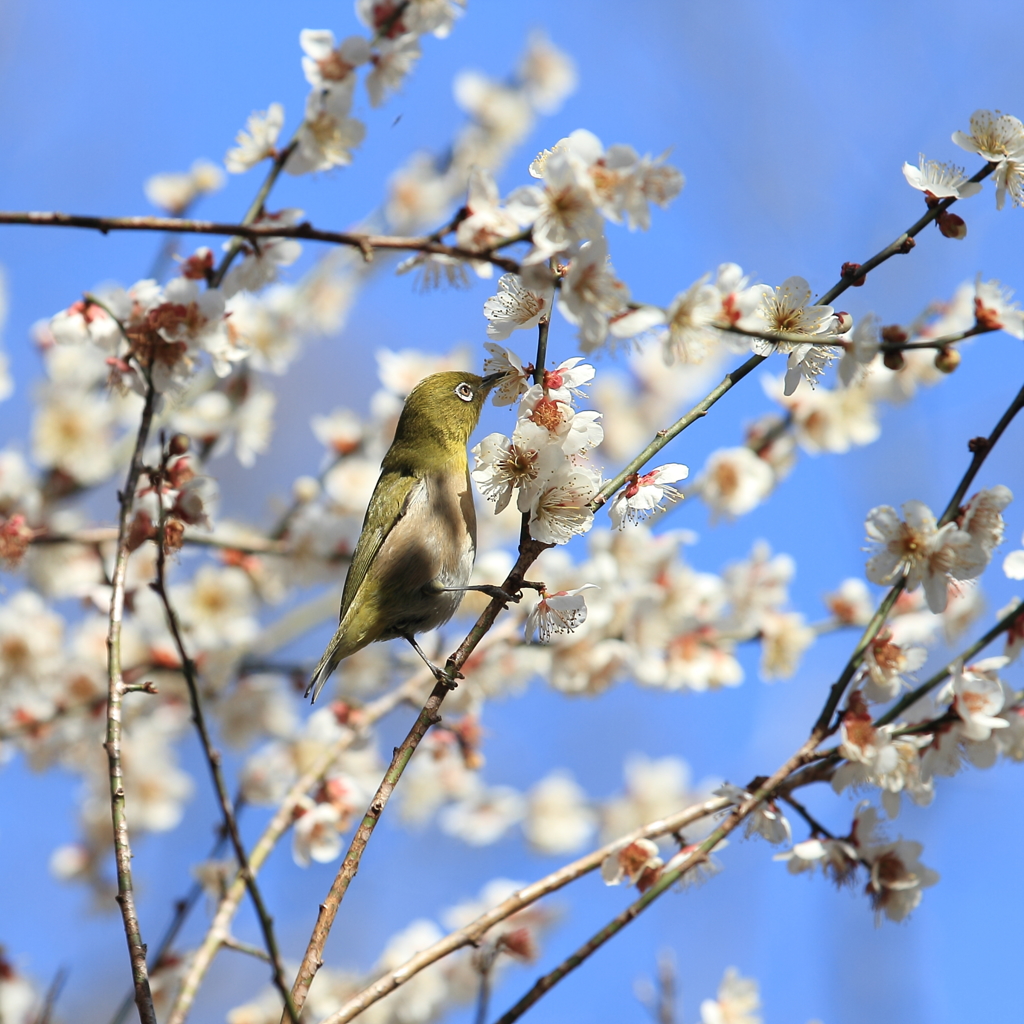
x,y
439,415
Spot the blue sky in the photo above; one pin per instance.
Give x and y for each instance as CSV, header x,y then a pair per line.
x,y
791,122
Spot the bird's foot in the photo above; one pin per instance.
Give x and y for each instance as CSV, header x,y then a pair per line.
x,y
532,585
491,591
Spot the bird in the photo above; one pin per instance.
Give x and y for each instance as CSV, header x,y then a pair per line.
x,y
415,553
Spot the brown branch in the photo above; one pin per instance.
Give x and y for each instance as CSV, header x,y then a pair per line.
x,y
276,828
115,691
471,934
366,243
213,759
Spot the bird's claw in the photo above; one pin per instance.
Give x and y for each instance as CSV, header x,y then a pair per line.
x,y
500,594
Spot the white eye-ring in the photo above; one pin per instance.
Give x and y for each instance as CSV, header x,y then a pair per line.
x,y
465,392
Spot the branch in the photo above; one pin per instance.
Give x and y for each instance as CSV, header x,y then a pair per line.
x,y
276,828
529,550
665,881
366,243
214,762
115,692
472,933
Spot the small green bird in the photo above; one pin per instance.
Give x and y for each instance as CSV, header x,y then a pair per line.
x,y
415,554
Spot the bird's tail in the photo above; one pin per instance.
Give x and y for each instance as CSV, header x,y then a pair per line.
x,y
338,649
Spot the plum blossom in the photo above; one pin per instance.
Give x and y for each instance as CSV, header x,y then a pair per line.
x,y
999,138
835,857
786,310
514,307
260,267
486,223
561,612
394,59
690,318
591,293
735,481
939,180
738,1002
257,140
978,697
897,878
563,213
522,463
328,134
635,863
886,663
994,308
316,835
559,818
548,75
176,191
643,494
915,546
326,64
517,378
765,820
851,603
559,511
484,815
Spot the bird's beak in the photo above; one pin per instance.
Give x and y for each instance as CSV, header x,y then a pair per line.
x,y
491,379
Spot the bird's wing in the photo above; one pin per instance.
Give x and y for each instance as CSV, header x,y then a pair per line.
x,y
389,503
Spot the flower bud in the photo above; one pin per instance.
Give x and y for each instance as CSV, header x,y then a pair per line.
x,y
843,322
180,444
947,359
951,225
894,334
849,269
894,360
305,489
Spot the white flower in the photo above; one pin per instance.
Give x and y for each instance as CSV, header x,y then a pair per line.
x,y
978,697
393,60
72,432
995,309
1013,564
563,213
631,862
785,310
216,607
559,511
514,308
862,345
85,321
999,138
484,816
690,317
524,462
175,192
994,135
940,180
643,495
916,547
316,836
559,818
257,141
328,135
784,638
486,222
897,878
738,1001
517,378
655,788
591,293
323,63
982,521
261,265
834,856
562,612
765,819
887,663
548,75
735,481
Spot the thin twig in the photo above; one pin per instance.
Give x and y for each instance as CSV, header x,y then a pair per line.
x,y
230,942
275,829
358,240
473,933
45,1014
115,691
213,761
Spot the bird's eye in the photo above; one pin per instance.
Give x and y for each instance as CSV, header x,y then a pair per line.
x,y
465,392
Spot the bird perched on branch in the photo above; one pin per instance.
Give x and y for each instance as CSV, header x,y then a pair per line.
x,y
415,554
